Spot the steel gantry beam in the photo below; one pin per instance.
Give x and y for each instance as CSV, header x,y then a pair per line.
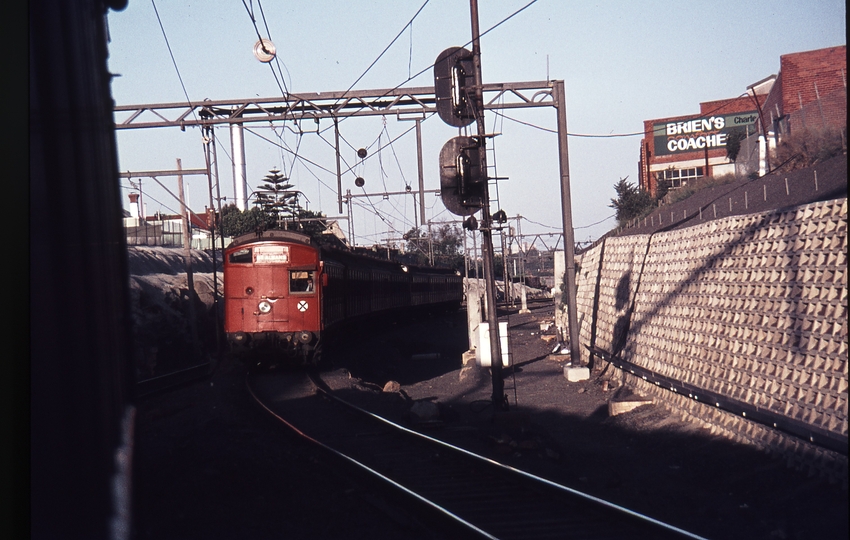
x,y
320,105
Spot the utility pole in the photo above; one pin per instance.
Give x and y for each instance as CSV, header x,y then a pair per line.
x,y
421,173
187,257
567,219
338,170
211,162
499,399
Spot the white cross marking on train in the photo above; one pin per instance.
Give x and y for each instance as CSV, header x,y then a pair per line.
x,y
302,306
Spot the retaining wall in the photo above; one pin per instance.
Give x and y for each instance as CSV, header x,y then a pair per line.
x,y
752,307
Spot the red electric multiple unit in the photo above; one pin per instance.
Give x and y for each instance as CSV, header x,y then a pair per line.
x,y
282,291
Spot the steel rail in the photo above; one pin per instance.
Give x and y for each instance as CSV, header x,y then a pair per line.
x,y
431,504
151,385
520,472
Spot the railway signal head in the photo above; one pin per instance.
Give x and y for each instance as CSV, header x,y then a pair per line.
x,y
462,179
453,81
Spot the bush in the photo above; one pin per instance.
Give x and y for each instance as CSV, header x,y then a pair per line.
x,y
809,146
631,201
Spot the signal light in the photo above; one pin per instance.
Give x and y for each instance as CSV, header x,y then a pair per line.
x,y
453,76
462,181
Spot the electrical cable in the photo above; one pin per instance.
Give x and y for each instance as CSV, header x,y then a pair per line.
x,y
410,77
409,23
592,224
300,158
173,60
260,39
417,74
304,161
154,199
380,148
601,136
276,57
398,163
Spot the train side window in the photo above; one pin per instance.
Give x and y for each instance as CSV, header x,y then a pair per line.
x,y
301,281
241,256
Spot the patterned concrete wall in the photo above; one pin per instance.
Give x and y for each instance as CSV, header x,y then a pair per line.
x,y
751,307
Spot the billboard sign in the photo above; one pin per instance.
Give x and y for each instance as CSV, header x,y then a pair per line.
x,y
699,134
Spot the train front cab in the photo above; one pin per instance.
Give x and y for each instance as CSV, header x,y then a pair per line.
x,y
272,291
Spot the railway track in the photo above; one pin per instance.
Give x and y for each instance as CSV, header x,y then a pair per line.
x,y
151,385
463,494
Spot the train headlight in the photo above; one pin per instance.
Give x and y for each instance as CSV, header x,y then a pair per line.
x,y
264,306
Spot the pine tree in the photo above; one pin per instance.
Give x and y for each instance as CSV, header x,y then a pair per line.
x,y
275,199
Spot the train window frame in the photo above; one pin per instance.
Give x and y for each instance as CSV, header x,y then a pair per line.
x,y
241,256
304,283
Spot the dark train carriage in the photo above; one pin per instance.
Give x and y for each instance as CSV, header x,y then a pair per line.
x,y
282,291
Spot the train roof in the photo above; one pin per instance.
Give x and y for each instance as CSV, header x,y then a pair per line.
x,y
275,234
332,250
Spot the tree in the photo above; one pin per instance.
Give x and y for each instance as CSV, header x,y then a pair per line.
x,y
733,143
275,207
445,244
275,198
631,202
236,223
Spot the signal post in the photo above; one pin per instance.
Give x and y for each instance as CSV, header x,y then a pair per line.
x,y
463,170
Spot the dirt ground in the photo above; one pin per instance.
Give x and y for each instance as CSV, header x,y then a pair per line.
x,y
209,465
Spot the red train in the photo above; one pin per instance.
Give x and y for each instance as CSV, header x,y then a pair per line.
x,y
282,291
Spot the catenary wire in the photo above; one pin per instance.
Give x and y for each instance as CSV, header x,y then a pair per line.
x,y
173,60
260,39
432,65
409,23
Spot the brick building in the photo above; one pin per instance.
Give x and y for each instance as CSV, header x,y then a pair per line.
x,y
808,93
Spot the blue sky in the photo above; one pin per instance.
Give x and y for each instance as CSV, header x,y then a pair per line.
x,y
622,63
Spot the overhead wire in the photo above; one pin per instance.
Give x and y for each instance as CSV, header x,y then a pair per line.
x,y
154,199
420,72
300,158
179,76
600,136
173,60
260,39
336,124
276,57
409,23
411,77
281,82
597,223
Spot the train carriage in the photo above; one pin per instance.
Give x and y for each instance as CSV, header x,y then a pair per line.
x,y
272,291
282,291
